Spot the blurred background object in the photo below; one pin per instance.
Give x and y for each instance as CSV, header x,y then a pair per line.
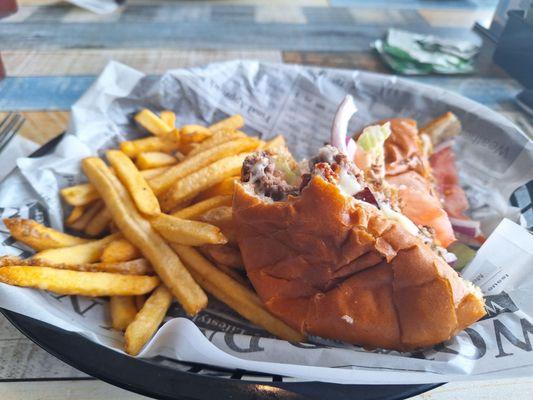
x,y
514,53
7,7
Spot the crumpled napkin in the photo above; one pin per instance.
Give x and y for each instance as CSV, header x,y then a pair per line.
x,y
411,53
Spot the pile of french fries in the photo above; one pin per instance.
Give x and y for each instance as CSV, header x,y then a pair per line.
x,y
156,225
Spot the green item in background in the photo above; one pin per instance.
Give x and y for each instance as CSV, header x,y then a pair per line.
x,y
414,54
463,253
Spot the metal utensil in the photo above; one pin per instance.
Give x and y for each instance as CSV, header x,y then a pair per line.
x,y
9,127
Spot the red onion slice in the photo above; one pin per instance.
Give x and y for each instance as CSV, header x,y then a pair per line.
x,y
467,227
339,129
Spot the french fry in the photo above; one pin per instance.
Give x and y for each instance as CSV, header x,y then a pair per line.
x,y
238,297
445,126
99,223
275,144
151,173
225,255
39,237
77,212
120,250
233,274
219,216
147,320
192,164
139,301
88,214
135,267
152,123
154,159
218,138
231,123
79,195
198,209
168,118
123,311
140,233
78,283
222,217
135,147
224,188
189,186
194,133
147,174
143,197
184,231
80,254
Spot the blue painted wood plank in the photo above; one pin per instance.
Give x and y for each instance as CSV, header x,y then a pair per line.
x,y
59,93
416,4
52,12
215,35
42,93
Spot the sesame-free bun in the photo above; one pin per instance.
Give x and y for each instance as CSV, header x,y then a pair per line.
x,y
332,266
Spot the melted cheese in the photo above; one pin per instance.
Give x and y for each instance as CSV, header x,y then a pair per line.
x,y
400,218
348,184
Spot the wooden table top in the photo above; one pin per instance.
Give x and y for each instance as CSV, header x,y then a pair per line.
x,y
53,51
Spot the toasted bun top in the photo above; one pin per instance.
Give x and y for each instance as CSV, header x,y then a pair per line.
x,y
335,267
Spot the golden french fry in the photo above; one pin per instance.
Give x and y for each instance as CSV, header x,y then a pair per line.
x,y
89,213
224,188
79,195
141,234
231,123
225,255
151,173
135,147
168,118
147,320
152,123
162,182
184,231
218,138
120,250
67,282
201,180
7,261
275,144
154,159
99,223
221,217
80,254
194,133
233,274
198,209
143,197
147,174
39,237
77,212
139,301
123,311
135,267
232,293
445,126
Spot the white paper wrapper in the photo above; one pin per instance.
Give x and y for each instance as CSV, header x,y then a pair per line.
x,y
97,6
494,156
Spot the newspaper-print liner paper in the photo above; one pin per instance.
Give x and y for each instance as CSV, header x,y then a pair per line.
x,y
494,159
